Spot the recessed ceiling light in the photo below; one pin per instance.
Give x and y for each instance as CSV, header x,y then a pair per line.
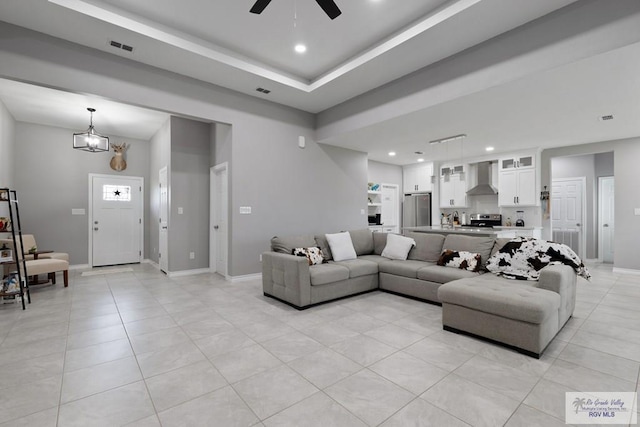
x,y
300,48
490,148
392,153
420,160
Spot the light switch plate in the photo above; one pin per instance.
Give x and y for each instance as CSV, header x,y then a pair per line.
x,y
78,212
180,210
245,210
636,211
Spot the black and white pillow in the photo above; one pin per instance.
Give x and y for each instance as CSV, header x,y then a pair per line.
x,y
313,254
460,259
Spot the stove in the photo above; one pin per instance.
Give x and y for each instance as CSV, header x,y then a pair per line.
x,y
484,220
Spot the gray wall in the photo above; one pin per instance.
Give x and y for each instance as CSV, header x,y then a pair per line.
x,y
53,178
576,167
189,231
384,173
159,157
626,153
7,144
290,190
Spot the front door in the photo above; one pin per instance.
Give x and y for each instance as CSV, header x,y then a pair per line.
x,y
567,213
116,220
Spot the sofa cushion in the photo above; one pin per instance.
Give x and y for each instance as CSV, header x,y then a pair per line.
x,y
476,244
379,242
499,243
439,274
408,268
327,273
358,267
286,245
398,247
509,300
362,241
428,246
374,258
460,259
341,246
323,244
313,255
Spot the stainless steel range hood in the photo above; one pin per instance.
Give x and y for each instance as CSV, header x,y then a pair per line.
x,y
484,186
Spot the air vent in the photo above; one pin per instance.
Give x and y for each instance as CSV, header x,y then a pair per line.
x,y
419,152
607,117
122,46
263,90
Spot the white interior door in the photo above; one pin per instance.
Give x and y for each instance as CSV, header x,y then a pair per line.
x,y
567,217
606,218
163,240
218,220
116,220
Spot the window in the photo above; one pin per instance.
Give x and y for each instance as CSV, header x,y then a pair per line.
x,y
116,193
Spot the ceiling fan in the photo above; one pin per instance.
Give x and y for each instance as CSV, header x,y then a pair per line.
x,y
328,6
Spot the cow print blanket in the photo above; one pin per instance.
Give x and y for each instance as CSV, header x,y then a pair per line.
x,y
522,258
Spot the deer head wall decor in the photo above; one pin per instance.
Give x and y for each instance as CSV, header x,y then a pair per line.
x,y
118,163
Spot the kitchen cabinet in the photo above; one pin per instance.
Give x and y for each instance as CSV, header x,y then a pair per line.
x,y
517,185
518,162
417,178
453,186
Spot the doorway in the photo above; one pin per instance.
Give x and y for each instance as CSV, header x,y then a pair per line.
x,y
115,220
567,213
163,239
218,219
606,218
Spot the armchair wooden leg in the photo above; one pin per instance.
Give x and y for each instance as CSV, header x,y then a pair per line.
x,y
52,277
65,275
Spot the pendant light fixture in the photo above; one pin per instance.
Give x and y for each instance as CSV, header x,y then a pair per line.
x,y
90,140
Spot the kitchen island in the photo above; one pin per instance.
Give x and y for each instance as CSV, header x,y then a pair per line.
x,y
437,229
497,231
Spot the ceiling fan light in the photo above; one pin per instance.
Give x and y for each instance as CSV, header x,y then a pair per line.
x,y
300,48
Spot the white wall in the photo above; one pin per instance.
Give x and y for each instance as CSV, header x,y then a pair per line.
x,y
7,144
52,178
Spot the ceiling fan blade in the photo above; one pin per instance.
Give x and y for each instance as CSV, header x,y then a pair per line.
x,y
259,6
330,8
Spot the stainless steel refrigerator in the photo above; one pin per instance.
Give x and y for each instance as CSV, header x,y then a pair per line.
x,y
416,210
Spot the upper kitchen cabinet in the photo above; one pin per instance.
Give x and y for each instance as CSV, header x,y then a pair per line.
x,y
518,183
453,186
417,178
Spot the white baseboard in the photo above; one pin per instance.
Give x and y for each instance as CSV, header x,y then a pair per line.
x,y
244,278
188,272
79,267
593,260
617,270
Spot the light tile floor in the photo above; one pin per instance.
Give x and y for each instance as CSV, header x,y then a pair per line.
x,y
140,349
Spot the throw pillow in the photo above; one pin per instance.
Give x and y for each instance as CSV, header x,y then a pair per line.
x,y
398,247
341,246
460,259
314,255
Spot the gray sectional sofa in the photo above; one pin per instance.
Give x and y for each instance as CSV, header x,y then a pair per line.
x,y
525,315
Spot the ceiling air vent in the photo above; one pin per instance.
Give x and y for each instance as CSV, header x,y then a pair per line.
x,y
607,117
263,90
122,46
